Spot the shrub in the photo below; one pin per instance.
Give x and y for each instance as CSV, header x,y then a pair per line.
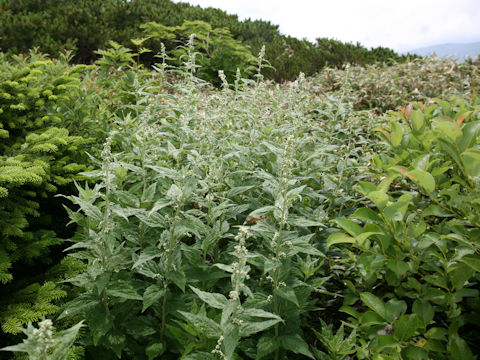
x,y
415,247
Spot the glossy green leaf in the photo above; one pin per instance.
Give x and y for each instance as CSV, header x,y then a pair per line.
x,y
418,121
423,179
374,303
405,327
340,238
471,159
424,311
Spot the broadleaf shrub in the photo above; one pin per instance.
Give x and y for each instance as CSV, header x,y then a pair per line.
x,y
416,243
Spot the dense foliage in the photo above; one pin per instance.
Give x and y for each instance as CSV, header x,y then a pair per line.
x,y
254,221
39,156
89,25
383,87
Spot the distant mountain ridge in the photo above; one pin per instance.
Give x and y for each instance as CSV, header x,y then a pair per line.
x,y
458,50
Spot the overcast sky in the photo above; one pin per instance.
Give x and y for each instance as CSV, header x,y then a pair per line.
x,y
401,25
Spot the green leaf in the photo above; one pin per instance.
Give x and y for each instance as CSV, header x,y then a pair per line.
x,y
251,328
423,179
178,278
451,150
470,134
239,190
260,313
418,121
448,128
385,341
266,345
424,311
147,254
459,273
123,290
400,268
379,198
296,344
459,348
473,262
79,306
394,308
152,294
396,134
366,214
436,333
404,328
349,226
288,294
374,303
215,300
153,351
435,210
99,323
204,324
414,353
340,238
471,159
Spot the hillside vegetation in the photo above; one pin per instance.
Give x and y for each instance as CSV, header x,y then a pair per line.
x,y
89,25
168,204
331,217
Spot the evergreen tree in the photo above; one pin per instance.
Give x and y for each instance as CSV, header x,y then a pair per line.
x,y
38,156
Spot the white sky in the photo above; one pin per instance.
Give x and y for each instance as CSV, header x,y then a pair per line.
x,y
401,25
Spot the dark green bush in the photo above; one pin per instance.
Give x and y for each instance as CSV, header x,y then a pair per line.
x,y
88,25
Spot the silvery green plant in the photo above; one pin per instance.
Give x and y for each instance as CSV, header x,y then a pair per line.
x,y
44,343
204,226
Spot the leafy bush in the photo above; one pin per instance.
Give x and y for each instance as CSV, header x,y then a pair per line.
x,y
211,49
204,235
414,290
382,87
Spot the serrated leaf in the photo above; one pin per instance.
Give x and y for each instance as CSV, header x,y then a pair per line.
x,y
153,351
152,294
204,324
379,198
260,313
366,214
471,159
266,345
178,278
296,344
123,291
394,308
251,328
287,294
147,254
459,348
